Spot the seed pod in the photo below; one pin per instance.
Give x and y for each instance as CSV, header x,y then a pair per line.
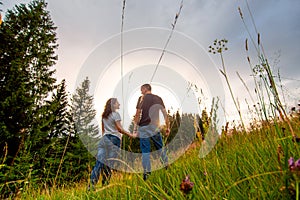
x,y
240,11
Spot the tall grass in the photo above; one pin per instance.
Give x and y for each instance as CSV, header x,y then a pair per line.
x,y
241,166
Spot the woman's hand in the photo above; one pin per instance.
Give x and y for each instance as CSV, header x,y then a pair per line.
x,y
134,134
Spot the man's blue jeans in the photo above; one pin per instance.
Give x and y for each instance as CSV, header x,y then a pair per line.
x,y
147,133
108,151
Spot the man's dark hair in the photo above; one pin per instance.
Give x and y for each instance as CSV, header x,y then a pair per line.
x,y
147,86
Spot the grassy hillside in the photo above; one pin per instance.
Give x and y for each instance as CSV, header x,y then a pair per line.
x,y
241,166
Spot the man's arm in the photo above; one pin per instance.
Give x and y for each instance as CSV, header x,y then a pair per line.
x,y
136,119
137,115
121,130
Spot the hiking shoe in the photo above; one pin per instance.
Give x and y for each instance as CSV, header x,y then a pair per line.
x,y
167,166
90,187
145,175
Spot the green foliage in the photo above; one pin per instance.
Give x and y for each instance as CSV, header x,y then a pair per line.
x,y
27,55
39,129
83,114
27,49
241,166
37,132
185,133
85,140
175,123
205,120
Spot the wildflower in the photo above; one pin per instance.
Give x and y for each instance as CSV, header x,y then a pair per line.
x,y
297,164
291,163
246,44
240,11
294,166
186,185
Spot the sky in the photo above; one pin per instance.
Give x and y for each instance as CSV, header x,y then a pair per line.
x,y
89,35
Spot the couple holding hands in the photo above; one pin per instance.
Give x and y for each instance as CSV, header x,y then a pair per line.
x,y
146,128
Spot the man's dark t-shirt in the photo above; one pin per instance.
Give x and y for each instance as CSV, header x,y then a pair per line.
x,y
150,105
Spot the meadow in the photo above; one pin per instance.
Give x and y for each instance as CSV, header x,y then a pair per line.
x,y
250,165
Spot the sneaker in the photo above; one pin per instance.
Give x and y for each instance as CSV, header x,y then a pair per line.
x,y
145,175
167,166
90,187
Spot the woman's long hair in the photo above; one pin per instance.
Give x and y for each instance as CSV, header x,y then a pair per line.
x,y
108,107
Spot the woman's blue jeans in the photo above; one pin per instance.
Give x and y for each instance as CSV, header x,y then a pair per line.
x,y
147,133
108,151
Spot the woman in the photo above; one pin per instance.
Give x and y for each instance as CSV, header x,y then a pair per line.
x,y
109,144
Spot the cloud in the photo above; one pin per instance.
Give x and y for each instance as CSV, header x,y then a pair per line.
x,y
82,25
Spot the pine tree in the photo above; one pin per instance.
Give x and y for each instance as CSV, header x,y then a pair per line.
x,y
27,58
86,129
175,125
84,112
60,110
27,50
61,130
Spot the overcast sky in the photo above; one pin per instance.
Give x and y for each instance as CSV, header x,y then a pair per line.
x,y
84,25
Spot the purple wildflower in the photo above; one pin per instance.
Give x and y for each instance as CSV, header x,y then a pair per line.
x,y
291,162
294,166
297,164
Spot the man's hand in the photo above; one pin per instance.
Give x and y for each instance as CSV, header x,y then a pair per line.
x,y
135,134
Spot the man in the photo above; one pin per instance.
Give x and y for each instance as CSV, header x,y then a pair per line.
x,y
147,121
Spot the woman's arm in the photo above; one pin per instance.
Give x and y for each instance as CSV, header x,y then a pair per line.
x,y
121,130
